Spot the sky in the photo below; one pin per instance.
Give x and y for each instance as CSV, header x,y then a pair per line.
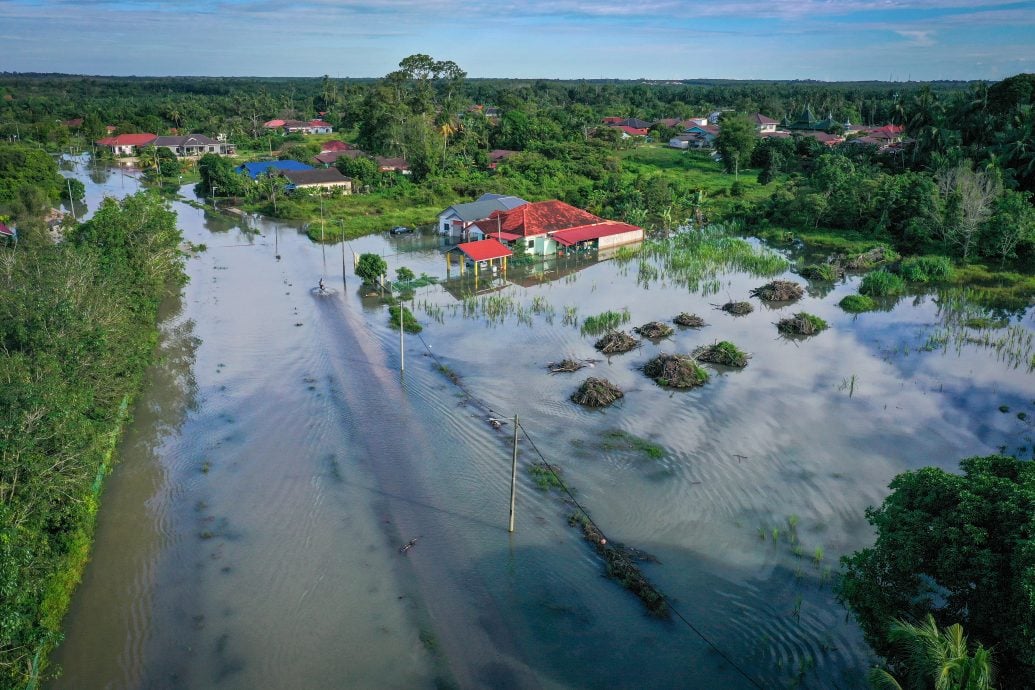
x,y
832,40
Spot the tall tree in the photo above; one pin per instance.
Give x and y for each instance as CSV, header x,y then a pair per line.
x,y
736,140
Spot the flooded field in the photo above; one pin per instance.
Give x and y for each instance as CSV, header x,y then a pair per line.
x,y
278,461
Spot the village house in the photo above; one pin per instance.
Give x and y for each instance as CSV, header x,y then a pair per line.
x,y
254,170
126,144
496,156
194,145
335,145
322,179
396,165
315,126
695,137
546,228
459,219
330,157
763,123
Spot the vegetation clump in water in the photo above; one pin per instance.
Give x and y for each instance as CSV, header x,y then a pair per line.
x,y
828,271
802,323
779,291
546,476
676,371
607,321
856,304
409,321
925,269
882,283
738,308
596,392
654,329
617,439
689,320
616,342
566,365
869,259
722,352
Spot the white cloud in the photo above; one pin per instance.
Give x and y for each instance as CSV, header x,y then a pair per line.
x,y
923,39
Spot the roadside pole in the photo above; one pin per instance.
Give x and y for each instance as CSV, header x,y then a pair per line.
x,y
513,475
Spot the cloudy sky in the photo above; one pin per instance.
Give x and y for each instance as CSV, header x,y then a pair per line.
x,y
629,39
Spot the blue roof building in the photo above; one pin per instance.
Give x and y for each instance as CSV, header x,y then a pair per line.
x,y
253,170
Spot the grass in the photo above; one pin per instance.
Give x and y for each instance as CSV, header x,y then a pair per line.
x,y
607,321
546,477
926,269
856,304
410,323
826,272
882,283
695,169
617,439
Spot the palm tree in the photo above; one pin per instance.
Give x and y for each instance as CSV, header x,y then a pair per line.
x,y
935,659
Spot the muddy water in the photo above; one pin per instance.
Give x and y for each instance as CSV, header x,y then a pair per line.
x,y
249,537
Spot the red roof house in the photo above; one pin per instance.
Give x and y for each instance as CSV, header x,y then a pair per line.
x,y
546,226
633,131
335,145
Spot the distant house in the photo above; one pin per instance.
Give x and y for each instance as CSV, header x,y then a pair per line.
x,y
460,219
74,123
331,157
550,227
700,121
318,178
273,124
695,137
126,144
628,131
194,145
823,137
611,120
335,145
763,123
496,156
307,127
254,170
396,165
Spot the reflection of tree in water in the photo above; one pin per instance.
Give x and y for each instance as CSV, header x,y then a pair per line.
x,y
99,173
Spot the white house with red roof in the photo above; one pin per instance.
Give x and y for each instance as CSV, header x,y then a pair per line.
x,y
551,227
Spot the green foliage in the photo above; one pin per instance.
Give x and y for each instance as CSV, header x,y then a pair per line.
x,y
404,275
371,267
882,283
217,172
856,304
958,547
737,139
825,271
77,330
935,658
925,269
608,320
29,182
410,323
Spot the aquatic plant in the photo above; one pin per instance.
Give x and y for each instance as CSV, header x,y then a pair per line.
x,y
571,317
722,352
606,321
616,342
409,321
654,330
596,392
882,283
802,323
925,269
869,259
618,439
856,304
546,476
738,308
676,371
817,555
828,272
779,291
689,320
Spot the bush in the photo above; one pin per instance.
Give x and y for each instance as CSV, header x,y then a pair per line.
x,y
856,304
924,269
410,323
802,323
881,284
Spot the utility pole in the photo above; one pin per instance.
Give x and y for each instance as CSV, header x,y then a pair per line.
x,y
402,348
513,476
71,201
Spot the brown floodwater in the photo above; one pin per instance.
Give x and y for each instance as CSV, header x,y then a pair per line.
x,y
277,461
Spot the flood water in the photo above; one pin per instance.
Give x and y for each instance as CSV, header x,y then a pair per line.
x,y
277,461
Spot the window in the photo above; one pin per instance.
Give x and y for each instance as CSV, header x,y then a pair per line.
x,y
531,243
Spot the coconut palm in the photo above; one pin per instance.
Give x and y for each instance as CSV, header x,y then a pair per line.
x,y
935,659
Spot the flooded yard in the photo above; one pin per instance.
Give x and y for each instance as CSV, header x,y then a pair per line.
x,y
278,462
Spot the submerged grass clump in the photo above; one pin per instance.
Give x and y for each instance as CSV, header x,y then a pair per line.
x,y
870,259
802,323
607,321
722,352
596,392
676,371
738,308
410,323
617,439
654,329
566,365
546,477
779,291
828,272
882,283
616,342
856,304
926,269
689,320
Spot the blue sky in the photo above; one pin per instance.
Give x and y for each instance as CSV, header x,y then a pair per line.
x,y
629,39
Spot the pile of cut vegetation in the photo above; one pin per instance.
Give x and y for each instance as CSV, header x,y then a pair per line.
x,y
596,392
654,329
620,565
565,366
737,308
689,320
779,291
676,371
723,352
828,271
801,323
616,342
874,257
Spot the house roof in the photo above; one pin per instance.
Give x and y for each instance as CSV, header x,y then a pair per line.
x,y
318,123
538,219
506,236
257,168
301,178
593,232
633,131
760,119
5,230
484,207
484,250
74,122
128,140
329,157
335,145
189,140
496,155
392,163
274,123
611,120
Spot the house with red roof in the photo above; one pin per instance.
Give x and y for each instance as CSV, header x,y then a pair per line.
x,y
551,227
628,131
307,127
496,156
335,145
126,144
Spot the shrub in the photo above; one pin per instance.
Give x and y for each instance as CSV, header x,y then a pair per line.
x,y
924,269
882,283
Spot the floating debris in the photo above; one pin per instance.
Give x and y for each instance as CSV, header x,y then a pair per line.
x,y
616,342
874,257
595,392
779,291
676,371
737,308
802,323
654,329
689,320
408,545
722,352
568,365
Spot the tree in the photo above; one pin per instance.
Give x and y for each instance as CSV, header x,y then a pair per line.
x,y
969,195
959,548
371,267
1012,223
736,140
404,275
361,169
935,658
